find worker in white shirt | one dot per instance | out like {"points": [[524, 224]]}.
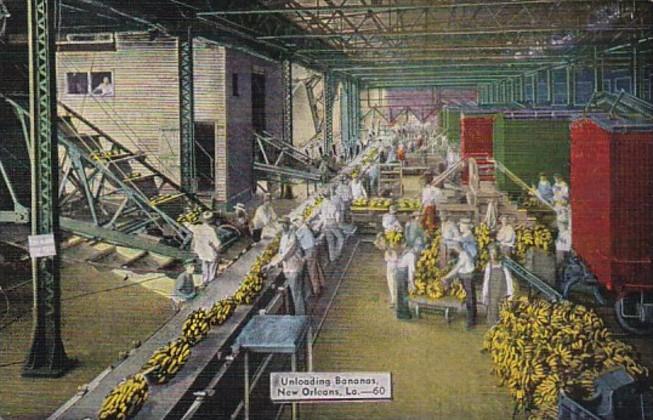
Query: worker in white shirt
{"points": [[560, 189], [414, 233], [310, 249], [450, 237], [563, 241], [390, 221], [291, 259], [264, 217], [506, 236], [329, 225], [467, 240], [373, 174], [497, 286], [206, 245], [343, 190], [464, 270], [358, 189]]}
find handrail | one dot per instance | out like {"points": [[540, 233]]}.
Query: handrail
{"points": [[517, 180], [543, 287]]}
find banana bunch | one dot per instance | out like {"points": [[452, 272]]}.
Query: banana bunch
{"points": [[196, 326], [379, 203], [132, 176], [160, 199], [526, 238], [393, 237], [191, 216], [359, 202], [483, 239], [167, 360], [538, 348], [409, 204], [370, 156], [310, 208], [104, 155], [253, 282], [125, 399], [221, 311]]}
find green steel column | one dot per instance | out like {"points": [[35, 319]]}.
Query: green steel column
{"points": [[356, 105], [286, 69], [598, 72], [47, 356], [186, 112], [329, 97], [635, 71], [549, 86], [522, 87], [344, 116], [534, 87], [571, 85]]}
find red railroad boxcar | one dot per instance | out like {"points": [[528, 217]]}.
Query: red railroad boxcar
{"points": [[476, 141], [611, 201]]}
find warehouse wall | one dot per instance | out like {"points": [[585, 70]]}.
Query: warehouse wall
{"points": [[238, 144], [143, 114]]}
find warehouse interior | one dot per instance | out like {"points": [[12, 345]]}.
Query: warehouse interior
{"points": [[436, 153]]}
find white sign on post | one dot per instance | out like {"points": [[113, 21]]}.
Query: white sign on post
{"points": [[42, 245], [307, 387]]}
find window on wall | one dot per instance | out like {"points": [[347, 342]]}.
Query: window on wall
{"points": [[607, 86], [97, 83], [542, 94], [234, 85], [622, 83], [584, 85], [559, 86], [528, 90]]}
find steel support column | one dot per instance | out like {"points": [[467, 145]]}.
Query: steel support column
{"points": [[635, 71], [598, 72], [522, 88], [329, 98], [571, 85], [186, 112], [47, 356], [286, 69], [549, 86], [356, 111]]}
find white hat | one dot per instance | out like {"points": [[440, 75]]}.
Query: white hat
{"points": [[240, 206], [392, 209], [465, 221], [207, 216]]}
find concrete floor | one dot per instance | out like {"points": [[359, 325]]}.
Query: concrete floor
{"points": [[438, 370]]}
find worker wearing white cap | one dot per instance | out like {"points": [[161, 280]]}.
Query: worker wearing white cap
{"points": [[390, 222], [467, 240], [506, 236], [264, 217], [358, 189], [310, 248], [206, 245], [329, 224], [240, 218], [560, 189], [291, 258], [343, 190], [464, 270]]}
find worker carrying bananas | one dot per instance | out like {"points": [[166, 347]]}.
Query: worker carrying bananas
{"points": [[563, 241], [464, 270], [206, 245], [373, 173], [560, 188], [291, 259], [310, 249], [506, 236], [329, 225], [497, 285], [264, 218], [390, 221]]}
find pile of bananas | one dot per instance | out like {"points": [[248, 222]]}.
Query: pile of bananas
{"points": [[132, 176], [221, 311], [482, 236], [125, 399], [393, 238], [379, 203], [539, 348], [191, 216], [167, 360], [196, 326], [526, 238], [370, 156], [253, 282], [428, 277], [409, 204], [359, 202]]}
